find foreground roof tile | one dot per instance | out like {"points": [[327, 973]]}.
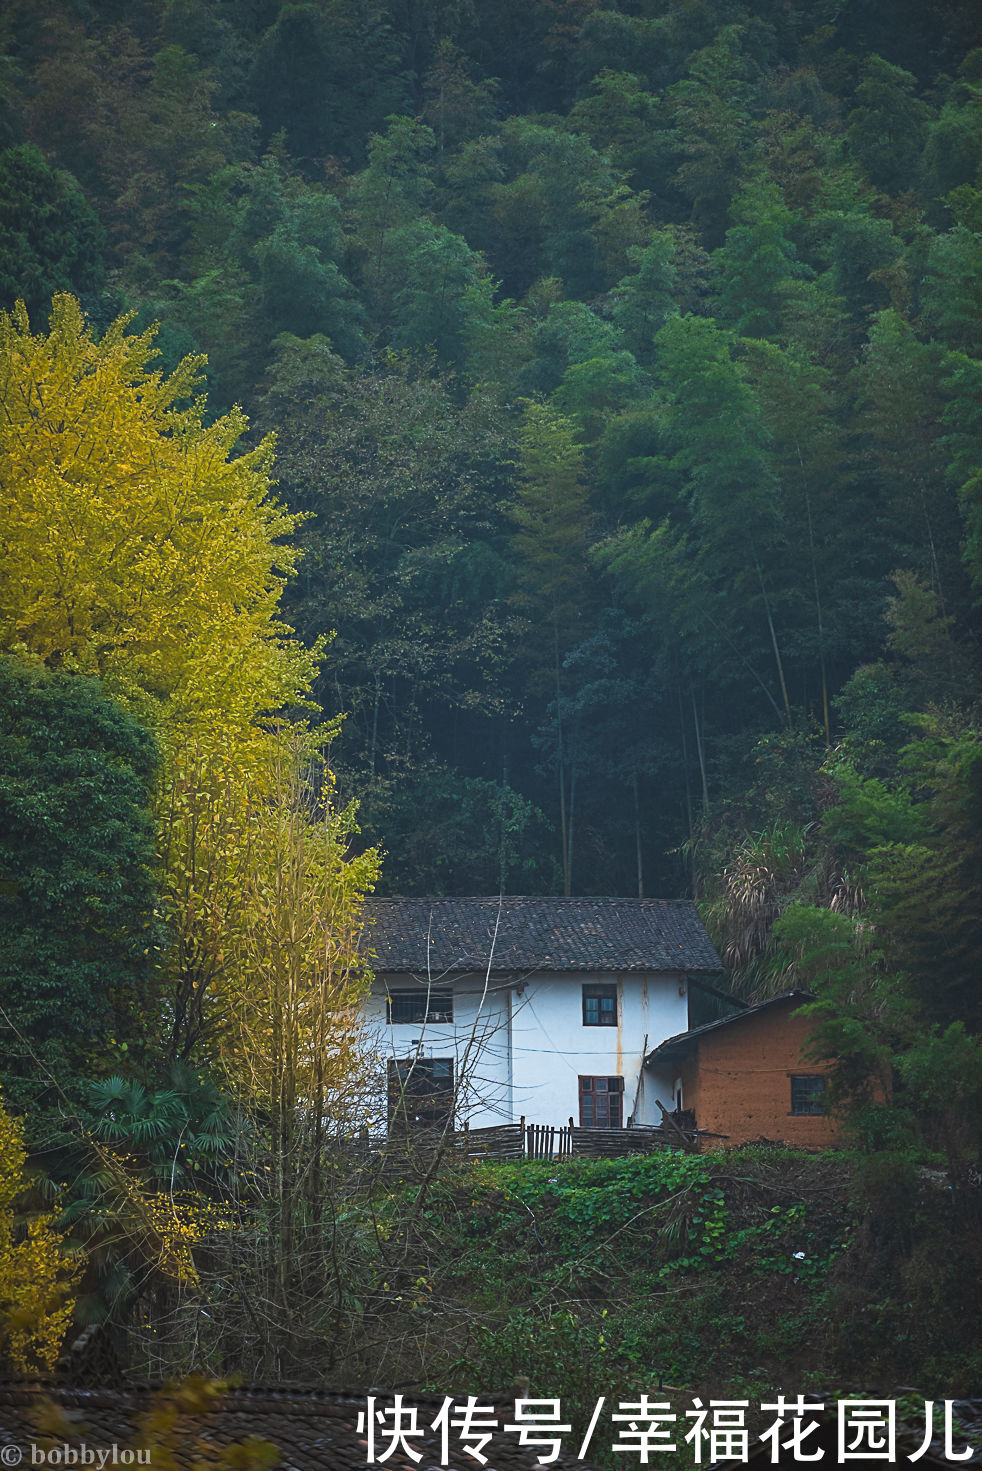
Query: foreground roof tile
{"points": [[314, 1429]]}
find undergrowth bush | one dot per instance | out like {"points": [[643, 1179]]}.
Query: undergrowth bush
{"points": [[744, 1274], [620, 1277]]}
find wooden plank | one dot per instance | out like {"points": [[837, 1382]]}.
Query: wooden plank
{"points": [[517, 1141], [667, 1118]]}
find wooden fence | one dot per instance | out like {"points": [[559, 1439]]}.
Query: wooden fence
{"points": [[546, 1141], [412, 1153]]}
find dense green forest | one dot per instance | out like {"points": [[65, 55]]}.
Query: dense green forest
{"points": [[623, 362], [619, 357]]}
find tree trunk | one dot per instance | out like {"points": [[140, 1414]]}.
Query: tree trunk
{"points": [[572, 807], [688, 788], [560, 764], [700, 752], [774, 644], [826, 724], [637, 833]]}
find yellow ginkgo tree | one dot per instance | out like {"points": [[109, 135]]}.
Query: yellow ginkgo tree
{"points": [[137, 546], [294, 1034]]}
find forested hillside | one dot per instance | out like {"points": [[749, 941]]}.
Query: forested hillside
{"points": [[565, 418], [620, 356]]}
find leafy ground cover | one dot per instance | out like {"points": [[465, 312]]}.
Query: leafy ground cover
{"points": [[741, 1274]]}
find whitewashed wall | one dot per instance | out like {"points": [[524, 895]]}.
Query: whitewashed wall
{"points": [[552, 1047], [520, 1048]]}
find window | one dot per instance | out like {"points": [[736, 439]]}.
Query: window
{"points": [[600, 1006], [601, 1103], [407, 1008], [420, 1092], [806, 1093]]}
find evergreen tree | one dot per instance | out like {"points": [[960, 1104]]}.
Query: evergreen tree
{"points": [[51, 238], [404, 557], [758, 261], [714, 425], [432, 275], [326, 75], [77, 927], [710, 121], [886, 132], [389, 194], [900, 412], [456, 107], [643, 299]]}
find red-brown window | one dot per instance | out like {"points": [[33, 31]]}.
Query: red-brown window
{"points": [[601, 1103]]}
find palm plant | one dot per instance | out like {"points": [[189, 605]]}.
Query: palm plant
{"points": [[178, 1136], [764, 870], [145, 1160]]}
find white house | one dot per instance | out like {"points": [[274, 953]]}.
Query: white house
{"points": [[540, 1008]]}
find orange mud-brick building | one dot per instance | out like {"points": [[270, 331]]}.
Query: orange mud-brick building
{"points": [[748, 1077]]}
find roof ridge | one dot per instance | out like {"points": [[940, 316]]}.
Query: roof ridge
{"points": [[520, 899]]}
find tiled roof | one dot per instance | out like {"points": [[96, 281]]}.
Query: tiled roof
{"points": [[536, 934], [314, 1429], [683, 1040]]}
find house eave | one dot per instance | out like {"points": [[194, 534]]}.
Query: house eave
{"points": [[683, 1043]]}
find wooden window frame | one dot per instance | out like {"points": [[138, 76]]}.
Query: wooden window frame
{"points": [[421, 1092], [589, 1093], [595, 991]]}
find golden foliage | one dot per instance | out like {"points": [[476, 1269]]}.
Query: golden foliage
{"points": [[136, 548], [36, 1280], [165, 1226], [133, 545], [293, 1029]]}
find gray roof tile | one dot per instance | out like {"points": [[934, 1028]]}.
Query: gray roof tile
{"points": [[537, 934]]}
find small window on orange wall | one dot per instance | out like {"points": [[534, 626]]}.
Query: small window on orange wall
{"points": [[806, 1093], [601, 1103]]}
